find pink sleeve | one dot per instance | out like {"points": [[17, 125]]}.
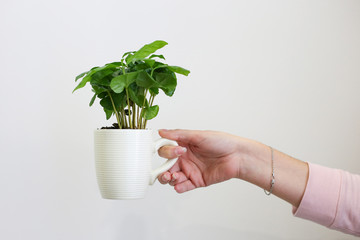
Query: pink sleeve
{"points": [[332, 199]]}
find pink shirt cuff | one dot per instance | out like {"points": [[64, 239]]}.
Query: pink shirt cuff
{"points": [[319, 203], [332, 199]]}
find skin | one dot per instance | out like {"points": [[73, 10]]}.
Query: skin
{"points": [[209, 157]]}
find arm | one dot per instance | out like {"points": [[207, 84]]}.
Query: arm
{"points": [[330, 197], [214, 157]]}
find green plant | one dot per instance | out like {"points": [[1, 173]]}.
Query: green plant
{"points": [[127, 88]]}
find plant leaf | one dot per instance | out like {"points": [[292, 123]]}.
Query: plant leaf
{"points": [[108, 113], [151, 112], [159, 65], [100, 77], [114, 64], [127, 53], [167, 82], [154, 91], [150, 62], [88, 76], [80, 75], [157, 56], [122, 81], [119, 100], [128, 57], [106, 103], [179, 70], [102, 95], [145, 80], [146, 51], [142, 66], [92, 100], [83, 82], [98, 89], [137, 98], [118, 83]]}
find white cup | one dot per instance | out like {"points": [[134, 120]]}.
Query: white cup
{"points": [[123, 160]]}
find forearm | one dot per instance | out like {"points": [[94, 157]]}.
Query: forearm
{"points": [[290, 174]]}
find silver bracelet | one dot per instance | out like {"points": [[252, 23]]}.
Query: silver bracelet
{"points": [[272, 183]]}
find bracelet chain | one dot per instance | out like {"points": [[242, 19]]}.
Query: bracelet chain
{"points": [[272, 182]]}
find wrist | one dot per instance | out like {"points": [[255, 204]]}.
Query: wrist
{"points": [[253, 161]]}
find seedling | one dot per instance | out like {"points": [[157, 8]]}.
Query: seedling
{"points": [[127, 89]]}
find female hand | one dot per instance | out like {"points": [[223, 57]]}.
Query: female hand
{"points": [[205, 158]]}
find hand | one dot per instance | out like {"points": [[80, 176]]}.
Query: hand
{"points": [[205, 158]]}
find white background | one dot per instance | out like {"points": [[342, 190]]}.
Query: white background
{"points": [[286, 73]]}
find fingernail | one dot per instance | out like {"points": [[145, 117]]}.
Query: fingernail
{"points": [[174, 176], [180, 151], [165, 178]]}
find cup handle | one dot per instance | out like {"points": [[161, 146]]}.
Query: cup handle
{"points": [[166, 165]]}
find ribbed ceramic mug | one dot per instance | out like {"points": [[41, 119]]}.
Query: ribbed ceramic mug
{"points": [[123, 161]]}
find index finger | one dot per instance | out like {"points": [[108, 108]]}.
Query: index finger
{"points": [[180, 135]]}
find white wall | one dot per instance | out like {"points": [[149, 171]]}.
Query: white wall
{"points": [[286, 73]]}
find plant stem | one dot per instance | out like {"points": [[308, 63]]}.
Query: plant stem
{"points": [[124, 118], [129, 109], [151, 103], [116, 112], [138, 116], [152, 100], [134, 115], [121, 119], [142, 109]]}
